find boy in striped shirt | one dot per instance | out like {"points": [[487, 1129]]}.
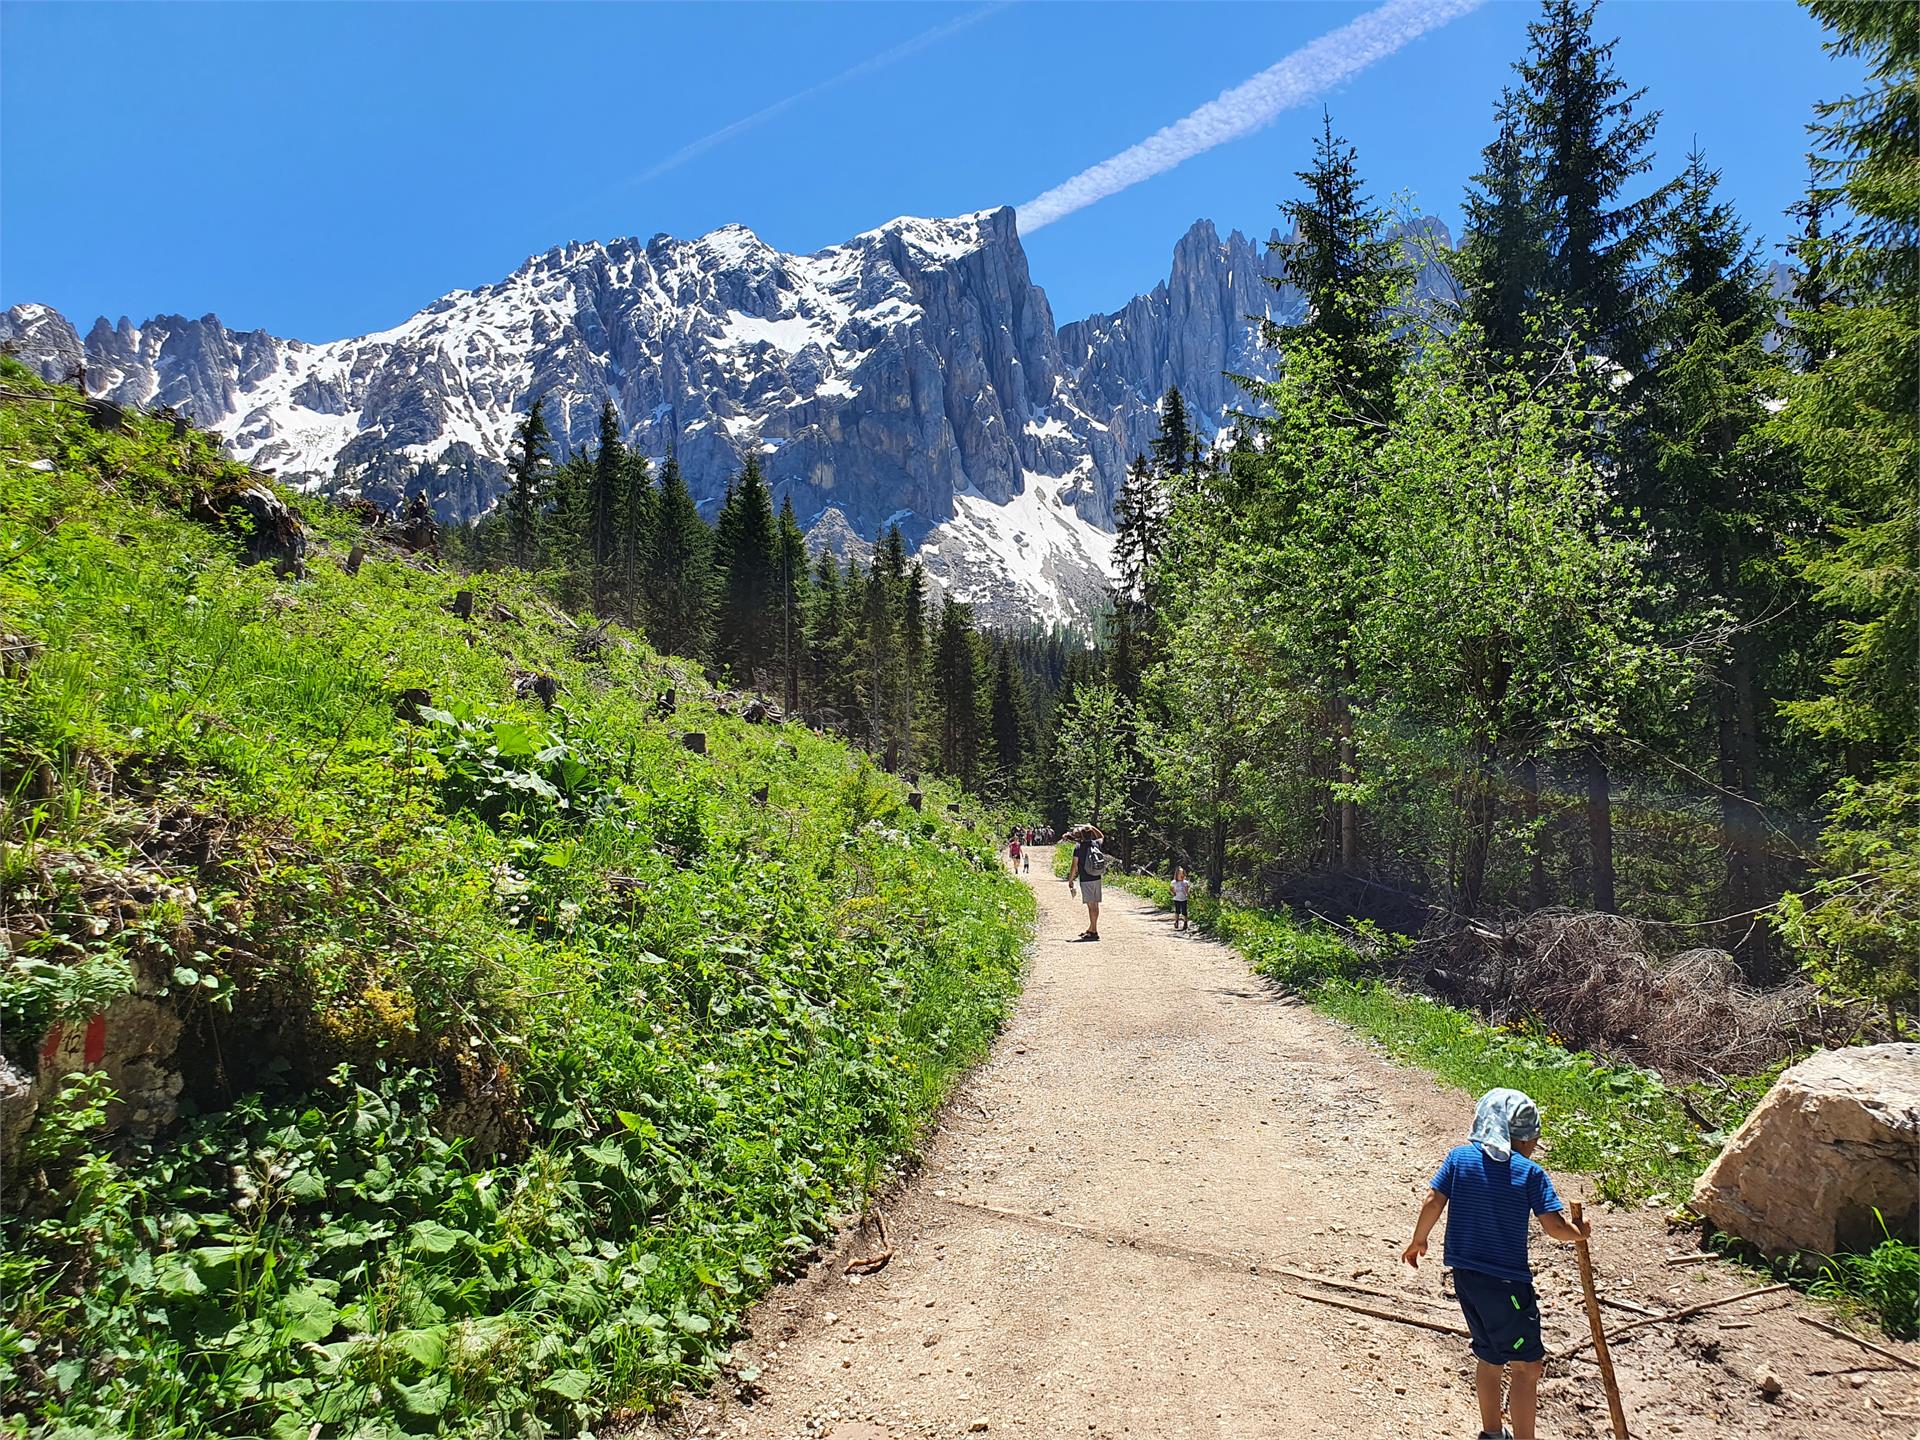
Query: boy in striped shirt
{"points": [[1493, 1186]]}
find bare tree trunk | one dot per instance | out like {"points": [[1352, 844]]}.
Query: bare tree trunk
{"points": [[1530, 789], [1217, 852], [1600, 828], [1349, 811], [1740, 815], [1479, 808]]}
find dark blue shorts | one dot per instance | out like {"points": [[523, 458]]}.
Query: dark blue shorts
{"points": [[1503, 1316]]}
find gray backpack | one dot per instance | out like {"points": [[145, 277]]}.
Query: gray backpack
{"points": [[1095, 863]]}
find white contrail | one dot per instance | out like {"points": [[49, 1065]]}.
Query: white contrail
{"points": [[1309, 71], [865, 67]]}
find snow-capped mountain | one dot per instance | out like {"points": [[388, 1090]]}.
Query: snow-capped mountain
{"points": [[912, 375]]}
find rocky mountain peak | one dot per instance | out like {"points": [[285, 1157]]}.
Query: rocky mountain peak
{"points": [[912, 375]]}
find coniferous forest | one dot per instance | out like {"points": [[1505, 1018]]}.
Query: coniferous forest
{"points": [[1588, 584]]}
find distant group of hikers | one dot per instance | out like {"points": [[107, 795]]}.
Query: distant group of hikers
{"points": [[1020, 842]]}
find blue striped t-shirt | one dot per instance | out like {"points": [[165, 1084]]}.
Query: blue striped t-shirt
{"points": [[1489, 1206]]}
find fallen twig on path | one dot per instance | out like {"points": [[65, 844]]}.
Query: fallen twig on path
{"points": [[1381, 1314], [1685, 1314], [1881, 1351], [867, 1264], [1631, 1308], [1694, 1259], [1333, 1284]]}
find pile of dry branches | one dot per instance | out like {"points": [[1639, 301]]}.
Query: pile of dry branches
{"points": [[1598, 983]]}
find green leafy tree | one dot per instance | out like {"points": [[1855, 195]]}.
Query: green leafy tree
{"points": [[1510, 604], [1089, 749]]}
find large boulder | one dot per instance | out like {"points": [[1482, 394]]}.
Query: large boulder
{"points": [[1837, 1138]]}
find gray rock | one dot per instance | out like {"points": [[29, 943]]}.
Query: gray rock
{"points": [[1836, 1139]]}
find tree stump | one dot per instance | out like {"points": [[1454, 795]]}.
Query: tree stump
{"points": [[355, 558], [696, 741], [462, 606], [915, 799]]}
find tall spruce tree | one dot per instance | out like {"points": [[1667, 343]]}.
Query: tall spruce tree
{"points": [[1352, 273], [1723, 490], [604, 495], [746, 561], [527, 483], [637, 510], [957, 688], [1173, 444], [1586, 145], [1850, 418], [880, 656], [1503, 254], [913, 656], [829, 643], [679, 552], [791, 549]]}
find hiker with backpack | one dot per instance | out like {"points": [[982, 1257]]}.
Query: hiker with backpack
{"points": [[1089, 865]]}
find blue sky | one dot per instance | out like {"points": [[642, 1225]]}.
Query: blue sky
{"points": [[322, 170]]}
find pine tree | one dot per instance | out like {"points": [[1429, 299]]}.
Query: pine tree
{"points": [[1721, 485], [791, 548], [604, 494], [1851, 421], [957, 688], [1503, 255], [828, 643], [526, 484], [1585, 145], [746, 562], [1352, 274], [679, 551], [1341, 364], [637, 510], [913, 655], [1139, 515], [880, 656], [1174, 445], [1010, 727], [562, 527]]}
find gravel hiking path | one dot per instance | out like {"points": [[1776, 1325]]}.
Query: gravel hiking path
{"points": [[1098, 1241]]}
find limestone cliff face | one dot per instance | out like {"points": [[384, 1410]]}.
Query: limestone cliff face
{"points": [[912, 375]]}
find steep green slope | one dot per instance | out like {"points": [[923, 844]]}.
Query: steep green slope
{"points": [[516, 1048]]}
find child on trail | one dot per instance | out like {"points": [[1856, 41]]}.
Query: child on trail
{"points": [[1182, 888], [1493, 1185]]}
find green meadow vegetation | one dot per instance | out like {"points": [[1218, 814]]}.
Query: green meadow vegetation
{"points": [[522, 1047]]}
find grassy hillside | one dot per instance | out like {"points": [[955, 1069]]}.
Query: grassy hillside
{"points": [[516, 1048]]}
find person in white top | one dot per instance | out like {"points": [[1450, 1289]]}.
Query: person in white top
{"points": [[1182, 888]]}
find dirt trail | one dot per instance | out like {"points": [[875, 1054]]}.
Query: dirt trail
{"points": [[1092, 1247]]}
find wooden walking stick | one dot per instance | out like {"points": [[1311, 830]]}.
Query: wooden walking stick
{"points": [[1614, 1407]]}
